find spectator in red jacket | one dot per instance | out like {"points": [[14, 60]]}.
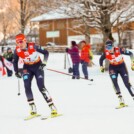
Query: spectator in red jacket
{"points": [[85, 57]]}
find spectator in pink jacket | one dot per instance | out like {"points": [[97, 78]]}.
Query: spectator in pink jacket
{"points": [[74, 53]]}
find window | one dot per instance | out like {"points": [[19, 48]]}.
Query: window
{"points": [[99, 1]]}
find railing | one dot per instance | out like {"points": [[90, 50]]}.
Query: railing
{"points": [[58, 49]]}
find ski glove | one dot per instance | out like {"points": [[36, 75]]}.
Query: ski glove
{"points": [[102, 69], [18, 75], [132, 63], [43, 64], [66, 49], [132, 66]]}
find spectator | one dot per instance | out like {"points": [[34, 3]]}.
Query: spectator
{"points": [[8, 55], [85, 57], [74, 52]]}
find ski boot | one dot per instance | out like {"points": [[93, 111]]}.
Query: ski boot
{"points": [[77, 77], [122, 103], [54, 113], [86, 77], [33, 112], [73, 77], [32, 109]]}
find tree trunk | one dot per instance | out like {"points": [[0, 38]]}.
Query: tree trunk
{"points": [[22, 15], [106, 31]]}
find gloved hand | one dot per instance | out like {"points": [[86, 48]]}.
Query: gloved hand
{"points": [[90, 57], [43, 64], [66, 49], [18, 74], [102, 69], [132, 65]]}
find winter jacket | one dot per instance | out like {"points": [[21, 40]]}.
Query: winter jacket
{"points": [[8, 56], [85, 53], [74, 52]]}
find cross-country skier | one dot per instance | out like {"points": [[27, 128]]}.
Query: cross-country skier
{"points": [[33, 66], [117, 66]]}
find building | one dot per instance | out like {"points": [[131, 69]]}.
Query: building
{"points": [[57, 28]]}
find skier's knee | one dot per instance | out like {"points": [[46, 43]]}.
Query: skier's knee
{"points": [[46, 95]]}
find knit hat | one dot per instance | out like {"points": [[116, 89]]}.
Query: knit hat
{"points": [[8, 48], [109, 44], [20, 38]]}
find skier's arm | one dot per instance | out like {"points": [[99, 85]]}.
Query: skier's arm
{"points": [[127, 52], [102, 58], [43, 51], [15, 61]]}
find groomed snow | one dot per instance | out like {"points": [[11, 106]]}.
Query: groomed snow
{"points": [[87, 107]]}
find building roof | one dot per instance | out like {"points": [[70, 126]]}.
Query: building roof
{"points": [[52, 15], [60, 14]]}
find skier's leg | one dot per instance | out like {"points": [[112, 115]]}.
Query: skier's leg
{"points": [[9, 72], [114, 77], [39, 75], [27, 78], [125, 77]]}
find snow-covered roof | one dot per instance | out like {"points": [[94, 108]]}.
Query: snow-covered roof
{"points": [[52, 15]]}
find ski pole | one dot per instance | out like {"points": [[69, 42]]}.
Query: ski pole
{"points": [[70, 70], [66, 74], [65, 61], [68, 61], [18, 86]]}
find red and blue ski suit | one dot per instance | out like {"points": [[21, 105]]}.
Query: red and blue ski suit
{"points": [[117, 66], [31, 68]]}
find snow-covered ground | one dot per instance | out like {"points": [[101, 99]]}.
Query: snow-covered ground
{"points": [[87, 107]]}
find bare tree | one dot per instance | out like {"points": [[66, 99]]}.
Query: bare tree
{"points": [[27, 10], [4, 27], [15, 15], [6, 20], [102, 15], [23, 11]]}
